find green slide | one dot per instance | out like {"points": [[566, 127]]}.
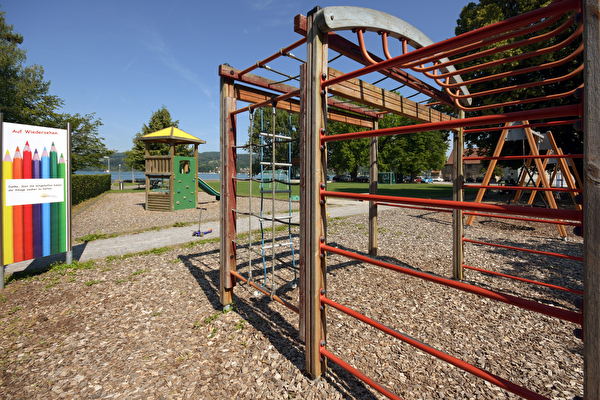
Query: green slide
{"points": [[206, 187]]}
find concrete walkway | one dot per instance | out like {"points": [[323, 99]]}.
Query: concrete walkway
{"points": [[134, 243]]}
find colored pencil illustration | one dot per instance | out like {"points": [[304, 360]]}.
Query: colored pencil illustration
{"points": [[7, 213], [45, 163], [62, 209], [27, 208], [54, 236], [36, 173], [19, 253]]}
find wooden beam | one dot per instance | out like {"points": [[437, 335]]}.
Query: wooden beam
{"points": [[228, 193], [374, 96], [591, 199], [254, 95]]}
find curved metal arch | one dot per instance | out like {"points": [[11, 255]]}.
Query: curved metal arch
{"points": [[339, 18]]}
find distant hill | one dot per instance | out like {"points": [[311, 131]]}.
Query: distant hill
{"points": [[207, 161]]}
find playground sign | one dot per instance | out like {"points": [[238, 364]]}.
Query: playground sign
{"points": [[35, 196]]}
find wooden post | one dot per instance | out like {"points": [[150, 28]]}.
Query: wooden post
{"points": [[591, 199], [228, 192], [314, 218], [172, 174], [146, 155], [458, 177], [373, 175]]}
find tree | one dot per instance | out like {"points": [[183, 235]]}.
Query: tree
{"points": [[159, 119], [347, 155], [413, 153], [286, 124], [474, 16], [25, 99], [87, 148]]}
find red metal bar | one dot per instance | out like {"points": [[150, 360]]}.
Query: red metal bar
{"points": [[275, 297], [501, 128], [485, 271], [505, 298], [496, 380], [517, 102], [523, 188], [545, 253], [501, 38], [543, 221], [530, 156], [542, 113], [571, 215], [350, 369], [508, 60], [274, 56], [464, 39]]}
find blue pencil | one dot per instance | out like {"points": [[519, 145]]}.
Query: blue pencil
{"points": [[45, 207], [36, 173]]}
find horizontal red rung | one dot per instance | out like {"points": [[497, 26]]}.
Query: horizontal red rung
{"points": [[522, 188], [571, 215], [543, 221], [505, 298], [275, 297], [496, 380], [545, 253], [501, 128], [540, 113], [353, 371], [485, 271], [530, 156]]}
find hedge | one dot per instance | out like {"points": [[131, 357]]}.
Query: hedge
{"points": [[88, 186]]}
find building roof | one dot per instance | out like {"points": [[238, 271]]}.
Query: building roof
{"points": [[476, 152], [172, 134]]}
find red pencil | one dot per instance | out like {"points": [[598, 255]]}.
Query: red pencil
{"points": [[19, 254], [27, 208]]}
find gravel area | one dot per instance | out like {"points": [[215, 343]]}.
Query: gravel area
{"points": [[150, 326]]}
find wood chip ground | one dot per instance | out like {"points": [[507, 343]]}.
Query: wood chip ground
{"points": [[150, 326]]}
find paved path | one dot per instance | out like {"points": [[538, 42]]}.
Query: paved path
{"points": [[99, 249]]}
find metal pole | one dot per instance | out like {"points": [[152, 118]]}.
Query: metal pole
{"points": [[69, 255]]}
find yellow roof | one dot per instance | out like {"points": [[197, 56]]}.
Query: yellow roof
{"points": [[172, 134]]}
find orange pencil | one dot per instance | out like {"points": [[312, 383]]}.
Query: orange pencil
{"points": [[7, 213], [19, 254], [27, 208]]}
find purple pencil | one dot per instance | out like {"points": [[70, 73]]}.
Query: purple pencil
{"points": [[36, 173]]}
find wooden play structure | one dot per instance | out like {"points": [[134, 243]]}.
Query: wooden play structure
{"points": [[326, 94], [171, 181]]}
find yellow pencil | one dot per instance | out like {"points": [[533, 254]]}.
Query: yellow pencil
{"points": [[7, 212]]}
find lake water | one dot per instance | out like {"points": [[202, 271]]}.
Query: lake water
{"points": [[137, 175]]}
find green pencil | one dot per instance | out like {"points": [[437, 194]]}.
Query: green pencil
{"points": [[62, 209], [54, 233]]}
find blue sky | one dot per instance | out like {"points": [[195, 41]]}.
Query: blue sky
{"points": [[125, 59]]}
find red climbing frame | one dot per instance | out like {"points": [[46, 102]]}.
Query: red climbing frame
{"points": [[318, 81]]}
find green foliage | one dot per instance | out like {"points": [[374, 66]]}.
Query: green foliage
{"points": [[25, 99], [159, 119], [486, 12], [88, 186], [286, 124], [347, 155]]}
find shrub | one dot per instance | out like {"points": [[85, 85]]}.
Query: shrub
{"points": [[88, 186]]}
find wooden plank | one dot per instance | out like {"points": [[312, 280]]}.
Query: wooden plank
{"points": [[374, 96], [313, 222], [228, 193], [591, 199]]}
